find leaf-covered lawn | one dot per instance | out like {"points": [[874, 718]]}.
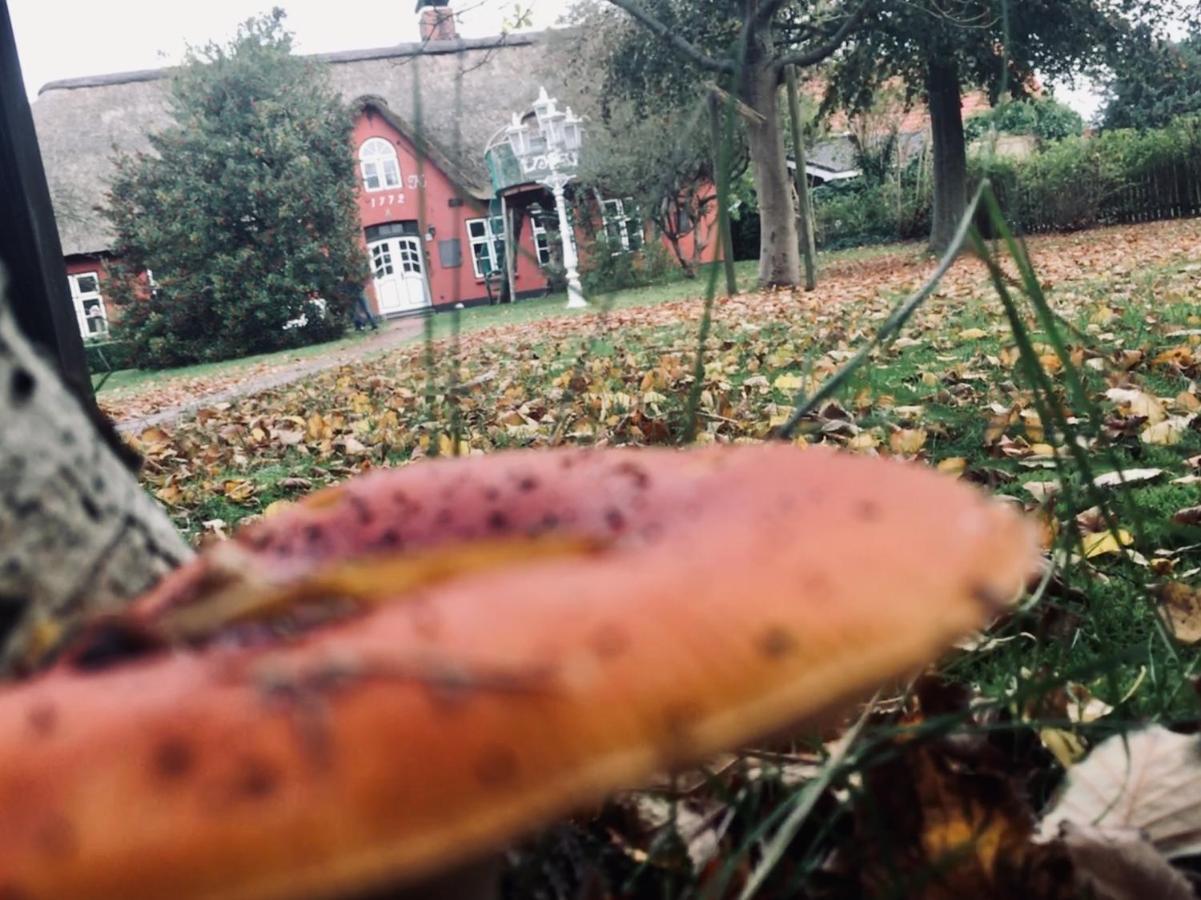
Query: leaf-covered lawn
{"points": [[1111, 628]]}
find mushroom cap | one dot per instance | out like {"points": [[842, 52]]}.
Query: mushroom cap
{"points": [[738, 591]]}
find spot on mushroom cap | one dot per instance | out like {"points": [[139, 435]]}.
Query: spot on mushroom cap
{"points": [[749, 588]]}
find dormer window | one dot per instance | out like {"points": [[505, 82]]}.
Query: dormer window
{"points": [[381, 169]]}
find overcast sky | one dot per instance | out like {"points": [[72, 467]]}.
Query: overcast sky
{"points": [[69, 38]]}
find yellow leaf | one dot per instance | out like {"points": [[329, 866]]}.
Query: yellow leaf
{"points": [[972, 334], [1167, 433], [239, 491], [787, 383], [1033, 426], [863, 442], [1106, 542], [1067, 747], [953, 465], [907, 440], [1050, 363], [995, 429], [276, 506]]}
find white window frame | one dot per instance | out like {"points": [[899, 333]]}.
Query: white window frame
{"points": [[541, 242], [621, 214], [491, 240], [79, 299], [378, 162]]}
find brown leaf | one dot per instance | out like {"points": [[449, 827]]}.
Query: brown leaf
{"points": [[1180, 608], [1190, 515]]}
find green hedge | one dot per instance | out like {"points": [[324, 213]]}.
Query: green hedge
{"points": [[108, 355], [1116, 177], [1078, 182], [853, 213]]}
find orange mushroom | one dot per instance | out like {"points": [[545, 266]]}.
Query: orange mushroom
{"points": [[378, 718]]}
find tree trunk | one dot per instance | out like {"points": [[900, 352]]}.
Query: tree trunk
{"points": [[779, 251], [77, 533], [950, 151]]}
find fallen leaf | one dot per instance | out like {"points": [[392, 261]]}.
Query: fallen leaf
{"points": [[1042, 491], [953, 465], [1120, 864], [1190, 515], [1104, 543], [1067, 747], [1180, 608], [787, 383], [1143, 780], [1126, 476], [1138, 403], [907, 441], [1167, 433]]}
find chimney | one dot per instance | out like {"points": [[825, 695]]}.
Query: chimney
{"points": [[437, 21]]}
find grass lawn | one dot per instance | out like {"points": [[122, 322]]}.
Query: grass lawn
{"points": [[126, 382], [951, 393]]}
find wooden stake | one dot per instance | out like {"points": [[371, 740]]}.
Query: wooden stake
{"points": [[723, 193], [805, 209]]}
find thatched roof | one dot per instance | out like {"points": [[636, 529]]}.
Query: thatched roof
{"points": [[467, 90]]}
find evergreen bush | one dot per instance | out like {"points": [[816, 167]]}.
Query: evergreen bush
{"points": [[244, 212]]}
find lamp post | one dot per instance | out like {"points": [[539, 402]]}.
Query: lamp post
{"points": [[548, 151]]}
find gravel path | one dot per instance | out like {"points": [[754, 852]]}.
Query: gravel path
{"points": [[393, 334]]}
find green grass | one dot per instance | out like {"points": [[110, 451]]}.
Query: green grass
{"points": [[128, 380], [477, 318]]}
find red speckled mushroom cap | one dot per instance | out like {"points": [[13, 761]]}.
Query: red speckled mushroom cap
{"points": [[714, 596]]}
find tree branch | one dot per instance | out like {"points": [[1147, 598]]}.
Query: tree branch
{"points": [[817, 54], [693, 53]]}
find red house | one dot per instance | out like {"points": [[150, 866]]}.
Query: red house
{"points": [[433, 225]]}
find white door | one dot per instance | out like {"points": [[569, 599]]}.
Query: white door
{"points": [[399, 278]]}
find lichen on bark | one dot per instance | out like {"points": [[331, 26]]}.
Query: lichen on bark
{"points": [[78, 535]]}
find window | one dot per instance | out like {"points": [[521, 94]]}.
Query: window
{"points": [[89, 305], [487, 238], [623, 227], [544, 224], [541, 242], [381, 170]]}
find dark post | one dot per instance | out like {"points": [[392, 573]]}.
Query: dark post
{"points": [[805, 209], [29, 246], [721, 156]]}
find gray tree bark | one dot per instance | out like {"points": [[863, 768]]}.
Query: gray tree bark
{"points": [[779, 250], [950, 152], [78, 535]]}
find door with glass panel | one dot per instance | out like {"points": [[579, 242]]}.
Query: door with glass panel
{"points": [[399, 274]]}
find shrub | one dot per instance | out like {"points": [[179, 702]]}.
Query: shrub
{"points": [[852, 213], [1044, 117], [1077, 182], [245, 211], [104, 356], [603, 270], [1120, 176]]}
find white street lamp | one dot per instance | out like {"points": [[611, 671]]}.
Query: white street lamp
{"points": [[548, 150]]}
